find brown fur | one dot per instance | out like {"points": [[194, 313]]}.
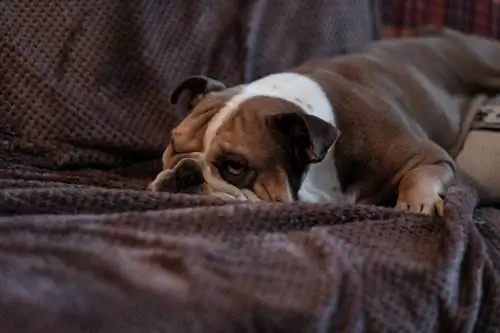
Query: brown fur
{"points": [[246, 134], [402, 106]]}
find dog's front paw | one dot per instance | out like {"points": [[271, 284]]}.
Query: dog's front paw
{"points": [[419, 190], [428, 205]]}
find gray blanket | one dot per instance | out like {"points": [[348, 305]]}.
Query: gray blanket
{"points": [[84, 117]]}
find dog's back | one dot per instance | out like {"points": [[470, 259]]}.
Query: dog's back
{"points": [[405, 102]]}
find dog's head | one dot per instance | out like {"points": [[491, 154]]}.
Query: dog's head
{"points": [[237, 143]]}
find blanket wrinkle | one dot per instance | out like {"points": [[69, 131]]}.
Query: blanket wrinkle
{"points": [[84, 118]]}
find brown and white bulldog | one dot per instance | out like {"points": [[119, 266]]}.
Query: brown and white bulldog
{"points": [[378, 127]]}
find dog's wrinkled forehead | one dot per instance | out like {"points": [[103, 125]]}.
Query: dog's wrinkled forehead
{"points": [[279, 103], [227, 121], [189, 135]]}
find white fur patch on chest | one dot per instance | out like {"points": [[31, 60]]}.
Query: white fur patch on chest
{"points": [[320, 182]]}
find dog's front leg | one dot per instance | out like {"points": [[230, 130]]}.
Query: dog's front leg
{"points": [[420, 189]]}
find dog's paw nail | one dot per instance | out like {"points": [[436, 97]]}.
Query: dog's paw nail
{"points": [[402, 206], [440, 206], [429, 206]]}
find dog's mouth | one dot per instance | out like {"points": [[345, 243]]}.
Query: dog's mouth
{"points": [[192, 176]]}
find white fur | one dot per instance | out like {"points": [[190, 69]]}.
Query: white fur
{"points": [[320, 182], [294, 88]]}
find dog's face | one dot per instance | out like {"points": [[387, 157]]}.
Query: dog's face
{"points": [[255, 148]]}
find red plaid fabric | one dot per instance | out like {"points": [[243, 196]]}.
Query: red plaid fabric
{"points": [[401, 17]]}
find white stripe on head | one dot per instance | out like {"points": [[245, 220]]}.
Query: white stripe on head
{"points": [[291, 87]]}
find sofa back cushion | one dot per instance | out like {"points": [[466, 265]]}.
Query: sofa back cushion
{"points": [[87, 83]]}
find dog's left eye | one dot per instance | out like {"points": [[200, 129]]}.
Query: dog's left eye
{"points": [[234, 168]]}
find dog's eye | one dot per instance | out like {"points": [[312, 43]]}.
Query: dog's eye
{"points": [[234, 168]]}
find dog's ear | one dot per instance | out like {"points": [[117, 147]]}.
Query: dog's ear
{"points": [[190, 91], [306, 137]]}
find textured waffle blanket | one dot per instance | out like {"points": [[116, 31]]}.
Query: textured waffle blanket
{"points": [[84, 117]]}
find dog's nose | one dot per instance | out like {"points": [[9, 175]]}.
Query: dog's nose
{"points": [[186, 175]]}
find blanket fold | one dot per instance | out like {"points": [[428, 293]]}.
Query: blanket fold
{"points": [[298, 268]]}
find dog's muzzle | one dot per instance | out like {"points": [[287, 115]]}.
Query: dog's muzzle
{"points": [[185, 177], [191, 175]]}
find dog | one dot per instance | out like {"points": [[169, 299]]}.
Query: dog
{"points": [[382, 126]]}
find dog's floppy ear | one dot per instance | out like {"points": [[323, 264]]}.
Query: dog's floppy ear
{"points": [[191, 89], [306, 137]]}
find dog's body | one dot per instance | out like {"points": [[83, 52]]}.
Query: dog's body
{"points": [[403, 108]]}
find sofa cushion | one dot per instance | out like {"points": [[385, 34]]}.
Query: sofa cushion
{"points": [[85, 84]]}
